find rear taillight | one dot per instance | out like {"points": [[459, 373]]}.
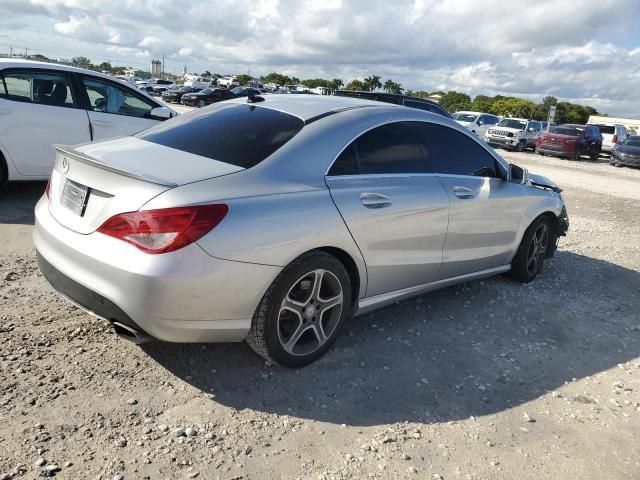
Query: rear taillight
{"points": [[47, 189], [615, 139], [164, 230]]}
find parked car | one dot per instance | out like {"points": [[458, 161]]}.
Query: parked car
{"points": [[159, 89], [228, 82], [571, 141], [626, 152], [612, 134], [546, 125], [43, 104], [477, 122], [150, 85], [407, 101], [514, 134], [214, 95], [175, 95], [249, 239]]}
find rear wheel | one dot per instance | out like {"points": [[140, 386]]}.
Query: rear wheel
{"points": [[576, 154], [532, 251], [303, 311]]}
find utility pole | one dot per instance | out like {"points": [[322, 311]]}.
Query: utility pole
{"points": [[162, 74], [26, 51]]}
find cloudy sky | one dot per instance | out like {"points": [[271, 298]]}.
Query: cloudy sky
{"points": [[584, 51]]}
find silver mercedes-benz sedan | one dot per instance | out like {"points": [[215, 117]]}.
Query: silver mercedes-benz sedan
{"points": [[276, 220]]}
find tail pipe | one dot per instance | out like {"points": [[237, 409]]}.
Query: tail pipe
{"points": [[131, 334]]}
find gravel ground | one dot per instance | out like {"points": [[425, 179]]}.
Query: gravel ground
{"points": [[487, 380]]}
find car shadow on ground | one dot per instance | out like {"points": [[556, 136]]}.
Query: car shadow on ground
{"points": [[18, 200], [474, 349]]}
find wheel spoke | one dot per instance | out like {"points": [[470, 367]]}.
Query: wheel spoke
{"points": [[328, 304], [292, 306], [319, 331], [317, 284], [295, 337]]}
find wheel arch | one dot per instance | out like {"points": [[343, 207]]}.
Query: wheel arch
{"points": [[355, 276]]}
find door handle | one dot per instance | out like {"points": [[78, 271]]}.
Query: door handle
{"points": [[5, 111], [463, 192], [374, 200], [103, 123]]}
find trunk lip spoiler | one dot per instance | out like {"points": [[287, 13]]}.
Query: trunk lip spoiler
{"points": [[88, 160]]}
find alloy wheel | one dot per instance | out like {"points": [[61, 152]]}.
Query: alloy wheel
{"points": [[310, 312], [537, 249]]}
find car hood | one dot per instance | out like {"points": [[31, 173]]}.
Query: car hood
{"points": [[506, 129], [465, 124]]}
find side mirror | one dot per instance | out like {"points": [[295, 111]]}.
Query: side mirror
{"points": [[531, 129], [160, 113], [518, 174], [479, 122]]}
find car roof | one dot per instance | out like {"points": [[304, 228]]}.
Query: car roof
{"points": [[308, 107], [20, 63], [472, 112]]}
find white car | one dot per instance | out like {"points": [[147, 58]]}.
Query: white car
{"points": [[228, 82], [477, 122], [514, 134], [43, 104], [612, 134]]}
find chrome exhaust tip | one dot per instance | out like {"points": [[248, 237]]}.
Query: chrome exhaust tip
{"points": [[131, 334]]}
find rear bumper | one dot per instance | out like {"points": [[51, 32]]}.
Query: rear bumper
{"points": [[182, 296], [625, 160], [552, 151]]}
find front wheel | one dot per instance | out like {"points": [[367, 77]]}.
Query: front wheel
{"points": [[201, 103], [532, 251], [520, 146], [302, 312]]}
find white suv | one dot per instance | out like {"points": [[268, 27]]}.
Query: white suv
{"points": [[228, 82], [612, 134], [43, 104], [514, 133], [477, 122]]}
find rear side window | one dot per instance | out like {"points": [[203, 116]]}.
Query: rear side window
{"points": [[389, 149], [606, 129], [455, 153], [238, 134], [40, 87]]}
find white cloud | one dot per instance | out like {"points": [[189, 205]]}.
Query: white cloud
{"points": [[577, 50]]}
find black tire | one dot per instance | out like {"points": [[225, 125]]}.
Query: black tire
{"points": [[539, 152], [4, 174], [576, 154], [272, 319], [201, 103], [520, 146], [522, 268]]}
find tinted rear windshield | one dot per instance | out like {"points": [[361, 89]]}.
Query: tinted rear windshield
{"points": [[610, 129], [239, 134], [572, 131]]}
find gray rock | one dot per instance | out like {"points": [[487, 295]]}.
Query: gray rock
{"points": [[178, 432], [190, 432], [40, 462], [132, 401], [118, 476]]}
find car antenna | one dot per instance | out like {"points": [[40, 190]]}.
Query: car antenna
{"points": [[253, 98]]}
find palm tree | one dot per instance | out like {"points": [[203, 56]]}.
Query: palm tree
{"points": [[337, 83], [388, 85], [372, 83]]}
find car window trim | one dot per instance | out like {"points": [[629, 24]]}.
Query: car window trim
{"points": [[89, 108], [77, 104]]}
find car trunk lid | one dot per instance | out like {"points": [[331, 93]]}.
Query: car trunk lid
{"points": [[91, 183]]}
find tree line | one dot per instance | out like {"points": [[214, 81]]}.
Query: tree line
{"points": [[453, 101]]}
